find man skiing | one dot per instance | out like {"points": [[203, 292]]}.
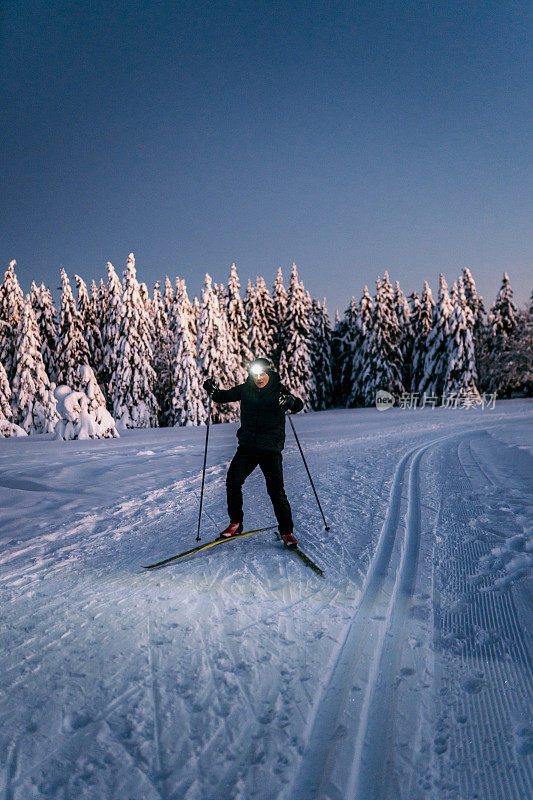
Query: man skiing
{"points": [[264, 401]]}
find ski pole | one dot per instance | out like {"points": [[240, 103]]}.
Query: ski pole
{"points": [[307, 468], [203, 471]]}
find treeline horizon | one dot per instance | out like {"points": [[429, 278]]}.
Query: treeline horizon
{"points": [[150, 351]]}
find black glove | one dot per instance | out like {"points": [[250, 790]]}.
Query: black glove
{"points": [[210, 385], [286, 401]]}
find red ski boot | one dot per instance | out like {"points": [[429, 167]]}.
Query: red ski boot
{"points": [[232, 530], [289, 539]]}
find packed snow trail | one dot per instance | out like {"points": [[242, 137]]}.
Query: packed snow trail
{"points": [[405, 674]]}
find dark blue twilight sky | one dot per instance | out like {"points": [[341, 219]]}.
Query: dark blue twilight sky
{"points": [[347, 137]]}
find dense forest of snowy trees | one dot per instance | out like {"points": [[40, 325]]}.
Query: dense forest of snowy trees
{"points": [[131, 359]]}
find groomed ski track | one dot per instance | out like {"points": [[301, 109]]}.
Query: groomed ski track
{"points": [[244, 675]]}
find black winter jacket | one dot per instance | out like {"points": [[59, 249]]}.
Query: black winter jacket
{"points": [[262, 418]]}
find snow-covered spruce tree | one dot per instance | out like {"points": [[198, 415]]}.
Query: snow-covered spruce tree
{"points": [[403, 315], [30, 398], [363, 327], [502, 317], [382, 357], [72, 349], [312, 387], [192, 310], [229, 358], [337, 350], [213, 345], [280, 305], [461, 375], [320, 347], [168, 299], [5, 395], [473, 300], [261, 319], [100, 304], [346, 352], [421, 322], [11, 305], [46, 317], [295, 358], [436, 359], [164, 347], [7, 426], [88, 311], [110, 330], [187, 405], [238, 327], [132, 383], [505, 351], [96, 406], [145, 297], [195, 319]]}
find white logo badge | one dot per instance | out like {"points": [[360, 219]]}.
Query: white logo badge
{"points": [[384, 400]]}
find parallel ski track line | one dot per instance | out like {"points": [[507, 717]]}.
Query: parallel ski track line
{"points": [[316, 762], [503, 664], [376, 724]]}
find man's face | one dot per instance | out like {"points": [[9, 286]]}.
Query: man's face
{"points": [[261, 380]]}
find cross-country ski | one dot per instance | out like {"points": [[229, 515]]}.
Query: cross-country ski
{"points": [[199, 548]]}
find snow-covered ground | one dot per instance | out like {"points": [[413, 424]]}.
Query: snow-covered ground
{"points": [[239, 673]]}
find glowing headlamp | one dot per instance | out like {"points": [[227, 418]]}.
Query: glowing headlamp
{"points": [[259, 366], [257, 369]]}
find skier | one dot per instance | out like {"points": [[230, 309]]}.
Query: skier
{"points": [[261, 436]]}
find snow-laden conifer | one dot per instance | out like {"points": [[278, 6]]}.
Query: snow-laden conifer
{"points": [[280, 299], [188, 401], [96, 405], [320, 346], [337, 354], [46, 318], [403, 315], [7, 426], [421, 322], [261, 319], [436, 359], [168, 299], [132, 383], [346, 352], [11, 306], [145, 297], [504, 352], [30, 398], [228, 359], [382, 358], [90, 322], [101, 305], [503, 314], [212, 346], [72, 349], [5, 395], [238, 327], [295, 358], [111, 328], [164, 359], [363, 324], [461, 374], [473, 300]]}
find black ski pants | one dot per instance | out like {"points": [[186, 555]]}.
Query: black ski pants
{"points": [[243, 464]]}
